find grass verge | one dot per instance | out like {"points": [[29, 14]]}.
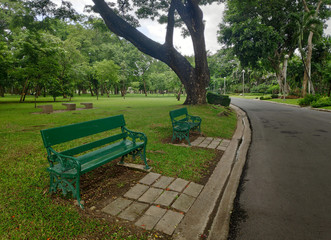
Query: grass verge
{"points": [[28, 212]]}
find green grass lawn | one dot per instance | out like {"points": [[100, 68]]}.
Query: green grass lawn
{"points": [[248, 95], [257, 96], [287, 101], [26, 212]]}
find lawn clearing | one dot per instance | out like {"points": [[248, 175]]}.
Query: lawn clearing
{"points": [[28, 212], [287, 101]]}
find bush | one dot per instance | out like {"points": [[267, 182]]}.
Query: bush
{"points": [[262, 88], [274, 95], [274, 89], [265, 98], [322, 102], [213, 98], [308, 99]]}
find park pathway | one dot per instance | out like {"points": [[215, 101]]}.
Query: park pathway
{"points": [[160, 202], [285, 192]]}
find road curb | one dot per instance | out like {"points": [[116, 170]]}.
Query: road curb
{"points": [[220, 227], [216, 199]]}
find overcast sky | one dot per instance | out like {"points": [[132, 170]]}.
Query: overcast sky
{"points": [[213, 15]]}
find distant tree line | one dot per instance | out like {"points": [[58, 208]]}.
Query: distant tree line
{"points": [[51, 50], [259, 35]]}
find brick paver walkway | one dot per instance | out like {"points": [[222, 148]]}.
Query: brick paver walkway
{"points": [[156, 202], [208, 142], [160, 202]]}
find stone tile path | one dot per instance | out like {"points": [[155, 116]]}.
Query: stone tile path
{"points": [[156, 202], [208, 142]]}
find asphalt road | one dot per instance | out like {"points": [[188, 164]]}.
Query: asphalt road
{"points": [[287, 187]]}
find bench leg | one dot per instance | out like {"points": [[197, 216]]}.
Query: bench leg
{"points": [[52, 184], [77, 192], [122, 160], [143, 157], [66, 185], [181, 135]]}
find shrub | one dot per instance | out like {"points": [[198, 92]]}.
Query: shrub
{"points": [[265, 98], [308, 99], [274, 95], [274, 89], [262, 88], [322, 102], [223, 100]]}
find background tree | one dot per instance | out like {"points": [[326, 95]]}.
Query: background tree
{"points": [[195, 79], [263, 33], [312, 10], [107, 74]]}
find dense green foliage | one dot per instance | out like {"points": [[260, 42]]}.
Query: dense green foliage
{"points": [[322, 102], [218, 99], [308, 99], [261, 35], [43, 53], [50, 50], [316, 101]]}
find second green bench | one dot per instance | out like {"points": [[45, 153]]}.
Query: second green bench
{"points": [[182, 123]]}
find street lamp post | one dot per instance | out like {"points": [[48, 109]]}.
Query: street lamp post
{"points": [[243, 81], [224, 86], [285, 70]]}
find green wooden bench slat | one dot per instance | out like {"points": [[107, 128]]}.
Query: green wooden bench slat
{"points": [[178, 112], [100, 157], [66, 168], [98, 143], [54, 136], [105, 151]]}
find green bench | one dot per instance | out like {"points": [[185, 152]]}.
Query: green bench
{"points": [[182, 123], [67, 166]]}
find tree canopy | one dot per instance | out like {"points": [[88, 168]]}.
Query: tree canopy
{"points": [[265, 33], [187, 13]]}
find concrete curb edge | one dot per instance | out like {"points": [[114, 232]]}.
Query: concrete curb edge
{"points": [[223, 182], [220, 227]]}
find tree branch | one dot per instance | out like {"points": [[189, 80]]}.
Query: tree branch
{"points": [[123, 29], [171, 24], [305, 6], [318, 7]]}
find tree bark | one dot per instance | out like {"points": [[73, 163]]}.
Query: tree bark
{"points": [[2, 91], [195, 80], [24, 91], [145, 87], [307, 70]]}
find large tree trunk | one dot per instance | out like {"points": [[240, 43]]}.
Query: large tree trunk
{"points": [[280, 70], [195, 80], [307, 68], [307, 72], [145, 91], [2, 91], [24, 91]]}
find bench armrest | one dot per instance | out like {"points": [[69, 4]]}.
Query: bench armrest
{"points": [[181, 124], [67, 162], [136, 135], [194, 118]]}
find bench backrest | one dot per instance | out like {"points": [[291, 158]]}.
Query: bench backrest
{"points": [[54, 136], [178, 113]]}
